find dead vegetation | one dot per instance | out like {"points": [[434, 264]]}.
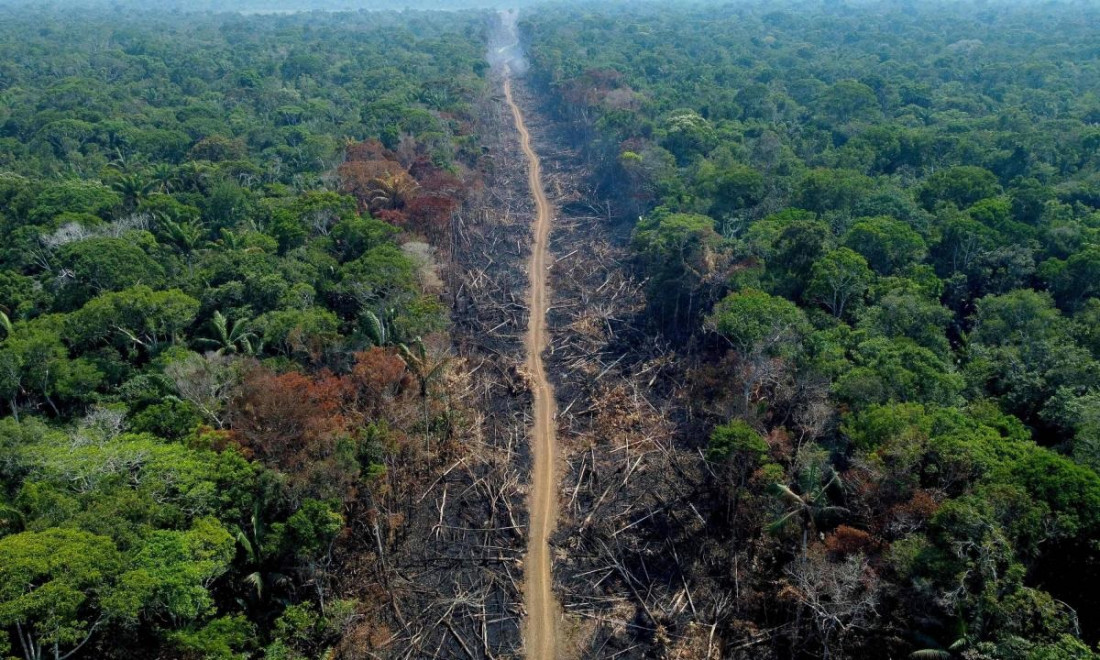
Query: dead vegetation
{"points": [[443, 563], [628, 551], [636, 567]]}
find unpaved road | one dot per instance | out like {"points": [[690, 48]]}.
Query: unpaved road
{"points": [[542, 608]]}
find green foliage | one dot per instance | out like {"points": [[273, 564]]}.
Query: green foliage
{"points": [[1079, 279], [181, 482], [910, 315], [889, 245], [889, 198], [135, 317], [21, 297], [680, 251], [178, 188], [297, 331], [225, 638], [839, 280], [1021, 351], [100, 265], [823, 190], [353, 237], [173, 419], [790, 243], [879, 424], [755, 322], [687, 134], [961, 185], [169, 574], [313, 527], [734, 188], [897, 370], [230, 336], [849, 100], [302, 632], [34, 362], [383, 274], [90, 197], [912, 250], [60, 585], [735, 438]]}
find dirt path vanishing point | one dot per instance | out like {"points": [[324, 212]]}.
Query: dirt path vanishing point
{"points": [[542, 608]]}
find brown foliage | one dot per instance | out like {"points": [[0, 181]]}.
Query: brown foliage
{"points": [[288, 421], [591, 87], [368, 150], [363, 179], [208, 437], [389, 216], [781, 446], [392, 191], [435, 181], [913, 514], [845, 540], [430, 215], [377, 379], [423, 198], [307, 426]]}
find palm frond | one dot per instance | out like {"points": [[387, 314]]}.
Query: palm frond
{"points": [[257, 582], [930, 654], [789, 494], [374, 328], [246, 543], [780, 523]]}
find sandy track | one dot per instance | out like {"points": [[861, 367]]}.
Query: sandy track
{"points": [[542, 607]]}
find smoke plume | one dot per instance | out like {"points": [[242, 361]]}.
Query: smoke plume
{"points": [[504, 47]]}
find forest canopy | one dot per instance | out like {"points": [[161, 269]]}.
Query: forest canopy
{"points": [[220, 233], [261, 294], [871, 232]]}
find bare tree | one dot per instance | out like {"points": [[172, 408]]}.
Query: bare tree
{"points": [[206, 381], [840, 595]]}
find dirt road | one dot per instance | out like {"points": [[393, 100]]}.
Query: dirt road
{"points": [[542, 608]]}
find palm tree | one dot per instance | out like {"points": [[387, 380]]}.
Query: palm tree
{"points": [[186, 235], [931, 654], [163, 176], [229, 240], [193, 174], [375, 328], [391, 191], [118, 162], [435, 96], [810, 505], [10, 517], [229, 336], [133, 188], [253, 543], [426, 368]]}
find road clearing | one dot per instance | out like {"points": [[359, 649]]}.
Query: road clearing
{"points": [[543, 611]]}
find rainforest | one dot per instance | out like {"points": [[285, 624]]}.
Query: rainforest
{"points": [[342, 329]]}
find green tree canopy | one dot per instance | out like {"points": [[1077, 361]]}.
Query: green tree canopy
{"points": [[753, 321]]}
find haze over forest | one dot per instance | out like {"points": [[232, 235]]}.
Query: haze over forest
{"points": [[679, 330]]}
